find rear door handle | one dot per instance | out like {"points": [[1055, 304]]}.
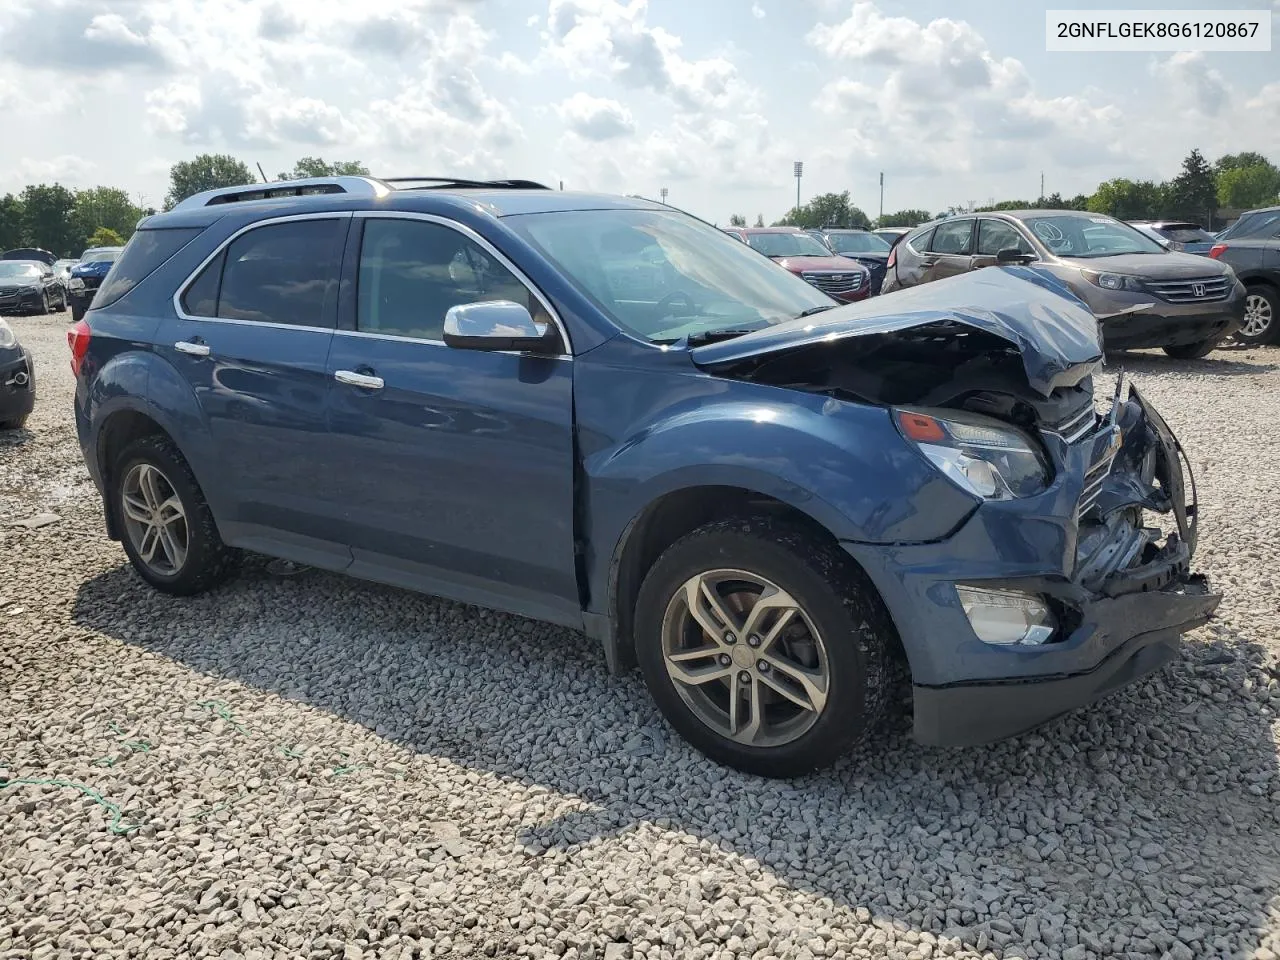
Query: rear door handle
{"points": [[351, 378], [194, 349]]}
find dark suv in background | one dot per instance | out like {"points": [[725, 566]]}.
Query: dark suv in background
{"points": [[1143, 294], [1251, 246]]}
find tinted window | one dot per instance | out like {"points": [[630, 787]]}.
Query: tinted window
{"points": [[1185, 233], [145, 251], [201, 297], [857, 243], [919, 242], [1263, 224], [954, 236], [283, 273], [412, 272], [996, 235]]}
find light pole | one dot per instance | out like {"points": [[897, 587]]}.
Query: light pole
{"points": [[881, 194], [663, 194], [799, 169]]}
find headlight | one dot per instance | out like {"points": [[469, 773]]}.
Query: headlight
{"points": [[29, 290], [7, 336], [1113, 281], [75, 283], [988, 458]]}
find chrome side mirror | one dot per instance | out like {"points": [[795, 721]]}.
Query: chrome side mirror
{"points": [[498, 325]]}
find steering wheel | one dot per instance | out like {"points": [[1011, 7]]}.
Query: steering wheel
{"points": [[664, 305]]}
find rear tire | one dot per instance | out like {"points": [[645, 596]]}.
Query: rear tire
{"points": [[1261, 316], [77, 311], [822, 634], [1194, 351], [62, 303], [166, 527]]}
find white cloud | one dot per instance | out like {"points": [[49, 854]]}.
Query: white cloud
{"points": [[1193, 82], [596, 118], [757, 11]]}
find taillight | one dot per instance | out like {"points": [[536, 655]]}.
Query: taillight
{"points": [[1217, 250], [78, 341], [893, 259]]}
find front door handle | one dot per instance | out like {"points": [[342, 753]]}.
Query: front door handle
{"points": [[351, 378], [194, 349]]}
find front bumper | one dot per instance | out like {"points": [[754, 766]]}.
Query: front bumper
{"points": [[1122, 593], [21, 302], [17, 385], [1168, 326]]}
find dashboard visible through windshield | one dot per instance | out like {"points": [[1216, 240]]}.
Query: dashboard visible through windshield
{"points": [[665, 276]]}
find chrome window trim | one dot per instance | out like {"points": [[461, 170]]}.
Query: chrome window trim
{"points": [[191, 277], [397, 338], [489, 248]]}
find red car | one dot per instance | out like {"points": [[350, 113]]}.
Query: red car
{"points": [[807, 257]]}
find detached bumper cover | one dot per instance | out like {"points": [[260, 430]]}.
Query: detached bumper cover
{"points": [[1123, 593], [1157, 329], [16, 399]]}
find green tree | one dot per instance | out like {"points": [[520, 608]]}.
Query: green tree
{"points": [[1256, 185], [206, 172], [316, 167], [48, 217], [1193, 194], [759, 219], [1078, 202], [108, 207], [1235, 161], [737, 220], [1129, 199], [904, 218], [826, 210], [12, 223], [104, 237]]}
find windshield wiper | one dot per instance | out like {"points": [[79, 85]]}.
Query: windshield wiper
{"points": [[812, 310], [712, 336]]}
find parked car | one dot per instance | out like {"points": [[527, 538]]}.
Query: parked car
{"points": [[17, 380], [891, 235], [807, 257], [759, 496], [864, 246], [87, 276], [1144, 295], [1251, 247], [1178, 235], [29, 286], [30, 253], [62, 270]]}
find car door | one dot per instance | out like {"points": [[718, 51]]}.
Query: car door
{"points": [[455, 467], [251, 337], [994, 236], [950, 251]]}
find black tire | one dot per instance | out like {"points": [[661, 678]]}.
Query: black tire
{"points": [[46, 308], [208, 560], [1194, 351], [1270, 303], [62, 303], [16, 423], [833, 594], [77, 311]]}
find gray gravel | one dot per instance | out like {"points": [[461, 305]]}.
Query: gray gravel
{"points": [[309, 766]]}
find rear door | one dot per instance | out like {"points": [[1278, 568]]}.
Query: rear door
{"points": [[453, 469], [251, 337], [951, 250]]}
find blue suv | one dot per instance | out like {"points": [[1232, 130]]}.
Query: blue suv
{"points": [[604, 413]]}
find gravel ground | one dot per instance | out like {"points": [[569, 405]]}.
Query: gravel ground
{"points": [[309, 766]]}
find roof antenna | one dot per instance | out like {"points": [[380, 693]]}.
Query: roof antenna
{"points": [[264, 176]]}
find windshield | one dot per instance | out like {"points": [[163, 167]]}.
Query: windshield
{"points": [[662, 275], [787, 245], [857, 243], [100, 255], [1088, 236], [16, 268]]}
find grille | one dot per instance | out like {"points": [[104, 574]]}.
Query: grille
{"points": [[1078, 425], [1193, 290], [834, 282], [1093, 481], [92, 283]]}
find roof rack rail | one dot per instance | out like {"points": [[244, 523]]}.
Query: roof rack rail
{"points": [[357, 186], [435, 183]]}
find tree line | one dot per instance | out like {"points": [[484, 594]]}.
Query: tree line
{"points": [[66, 222], [1232, 183]]}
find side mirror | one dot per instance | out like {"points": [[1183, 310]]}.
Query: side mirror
{"points": [[1013, 255], [498, 325]]}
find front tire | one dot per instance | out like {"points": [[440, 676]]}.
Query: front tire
{"points": [[15, 423], [1194, 351], [1261, 317], [167, 529], [764, 648]]}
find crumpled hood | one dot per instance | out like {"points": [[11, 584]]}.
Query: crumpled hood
{"points": [[98, 268], [1055, 332]]}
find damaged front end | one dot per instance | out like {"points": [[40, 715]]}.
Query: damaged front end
{"points": [[1056, 590]]}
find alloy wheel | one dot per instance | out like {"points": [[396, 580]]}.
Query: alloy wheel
{"points": [[745, 658], [155, 520], [1257, 316]]}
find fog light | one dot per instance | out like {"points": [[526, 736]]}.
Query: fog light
{"points": [[1007, 617]]}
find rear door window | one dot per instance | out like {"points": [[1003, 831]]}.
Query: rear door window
{"points": [[953, 237], [283, 273], [144, 252], [919, 242]]}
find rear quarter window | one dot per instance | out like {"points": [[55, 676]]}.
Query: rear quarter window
{"points": [[144, 252]]}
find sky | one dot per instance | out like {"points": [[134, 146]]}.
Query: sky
{"points": [[712, 99]]}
